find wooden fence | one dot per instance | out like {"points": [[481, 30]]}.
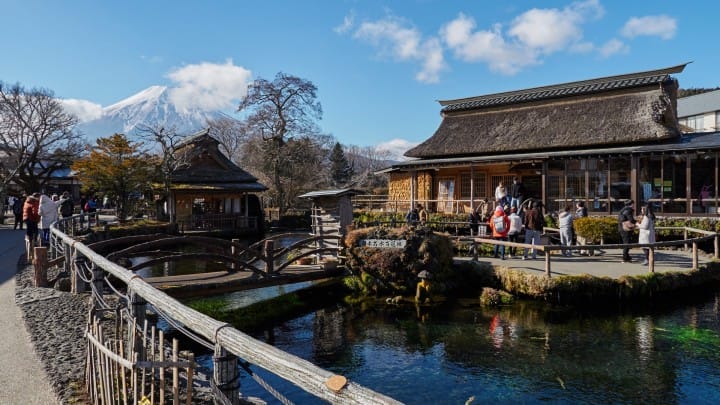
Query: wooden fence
{"points": [[89, 269], [548, 249]]}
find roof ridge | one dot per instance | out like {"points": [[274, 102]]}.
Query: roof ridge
{"points": [[568, 85]]}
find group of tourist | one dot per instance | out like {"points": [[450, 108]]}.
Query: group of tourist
{"points": [[506, 224], [38, 211]]}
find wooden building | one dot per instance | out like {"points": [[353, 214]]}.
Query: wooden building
{"points": [[601, 141], [209, 192]]}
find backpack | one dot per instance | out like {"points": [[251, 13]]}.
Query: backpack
{"points": [[499, 224], [66, 208]]}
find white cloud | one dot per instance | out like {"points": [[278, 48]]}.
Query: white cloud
{"points": [[396, 148], [208, 86], [532, 34], [656, 25], [83, 109], [346, 25], [486, 46], [405, 44], [612, 47]]}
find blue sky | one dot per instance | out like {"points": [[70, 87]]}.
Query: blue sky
{"points": [[380, 66]]}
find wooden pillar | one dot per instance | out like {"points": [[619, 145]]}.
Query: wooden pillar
{"points": [[651, 260], [694, 256], [67, 265], [233, 253], [225, 375], [269, 257], [137, 309], [634, 160], [688, 185], [685, 236], [475, 250], [98, 279], [78, 284], [717, 246], [547, 262], [40, 263], [472, 189]]}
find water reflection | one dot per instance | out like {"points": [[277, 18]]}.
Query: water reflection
{"points": [[527, 352]]}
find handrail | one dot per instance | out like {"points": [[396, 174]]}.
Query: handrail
{"points": [[300, 372]]}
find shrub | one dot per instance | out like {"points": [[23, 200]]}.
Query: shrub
{"points": [[395, 270], [595, 229]]}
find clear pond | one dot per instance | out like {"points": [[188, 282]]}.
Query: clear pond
{"points": [[525, 353]]}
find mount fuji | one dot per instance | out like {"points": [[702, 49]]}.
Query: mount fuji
{"points": [[150, 107]]}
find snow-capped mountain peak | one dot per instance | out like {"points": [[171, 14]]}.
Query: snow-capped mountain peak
{"points": [[150, 107]]}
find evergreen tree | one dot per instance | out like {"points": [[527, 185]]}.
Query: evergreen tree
{"points": [[340, 170]]}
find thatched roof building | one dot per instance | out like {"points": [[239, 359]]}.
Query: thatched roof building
{"points": [[612, 110], [601, 141]]}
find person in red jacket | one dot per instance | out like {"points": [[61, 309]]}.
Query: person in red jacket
{"points": [[500, 226], [31, 216]]}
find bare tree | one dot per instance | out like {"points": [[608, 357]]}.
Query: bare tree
{"points": [[232, 135], [366, 160], [280, 110], [37, 137], [167, 143]]}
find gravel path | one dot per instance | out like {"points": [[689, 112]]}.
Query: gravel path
{"points": [[55, 321]]}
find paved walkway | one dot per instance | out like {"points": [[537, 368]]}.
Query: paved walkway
{"points": [[607, 264], [22, 378]]}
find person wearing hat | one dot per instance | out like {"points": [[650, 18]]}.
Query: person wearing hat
{"points": [[515, 230], [500, 226], [422, 292], [626, 227]]}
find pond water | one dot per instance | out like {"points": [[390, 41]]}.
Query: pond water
{"points": [[523, 353]]}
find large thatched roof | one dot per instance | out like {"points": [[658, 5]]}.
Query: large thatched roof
{"points": [[617, 110]]}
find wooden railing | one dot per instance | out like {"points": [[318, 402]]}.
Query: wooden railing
{"points": [[88, 268], [548, 249]]}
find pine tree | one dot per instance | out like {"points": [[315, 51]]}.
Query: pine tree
{"points": [[340, 170]]}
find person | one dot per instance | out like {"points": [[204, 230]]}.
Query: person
{"points": [[565, 220], [474, 220], [422, 292], [534, 223], [626, 226], [517, 193], [66, 205], [31, 217], [647, 230], [83, 203], [581, 212], [48, 211], [500, 226], [412, 217], [422, 214], [106, 201], [500, 194], [18, 212], [515, 230], [91, 205]]}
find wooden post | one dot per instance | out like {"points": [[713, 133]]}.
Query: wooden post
{"points": [[547, 262], [29, 245], [651, 260], [233, 252], [67, 265], [225, 374], [137, 309], [78, 284], [475, 250], [717, 246], [694, 256], [98, 279], [685, 235], [270, 257], [40, 262]]}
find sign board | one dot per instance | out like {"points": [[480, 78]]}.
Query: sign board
{"points": [[384, 243]]}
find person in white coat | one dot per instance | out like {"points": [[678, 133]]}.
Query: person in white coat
{"points": [[647, 230], [48, 214]]}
